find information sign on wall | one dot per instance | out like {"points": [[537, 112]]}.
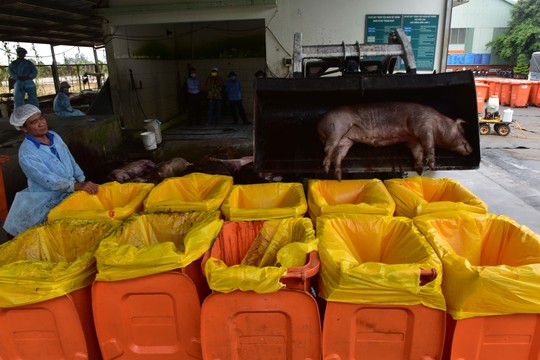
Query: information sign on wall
{"points": [[421, 30]]}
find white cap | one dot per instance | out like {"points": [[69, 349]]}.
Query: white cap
{"points": [[21, 114], [214, 69]]}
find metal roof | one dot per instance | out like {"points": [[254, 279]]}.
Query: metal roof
{"points": [[56, 22]]}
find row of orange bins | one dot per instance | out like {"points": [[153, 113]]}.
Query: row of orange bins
{"points": [[205, 294], [511, 92]]}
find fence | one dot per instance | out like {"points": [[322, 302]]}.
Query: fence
{"points": [[79, 76]]}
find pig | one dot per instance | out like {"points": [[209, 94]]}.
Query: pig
{"points": [[420, 127], [233, 165], [133, 169], [173, 167], [119, 175]]}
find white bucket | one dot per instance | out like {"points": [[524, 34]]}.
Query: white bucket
{"points": [[149, 140], [153, 125], [507, 115], [493, 104]]}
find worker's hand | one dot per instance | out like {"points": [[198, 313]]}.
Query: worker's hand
{"points": [[87, 186]]}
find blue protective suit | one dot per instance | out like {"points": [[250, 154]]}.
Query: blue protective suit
{"points": [[22, 68], [234, 89], [62, 106], [51, 172]]}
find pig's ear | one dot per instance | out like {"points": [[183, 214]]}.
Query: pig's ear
{"points": [[461, 125]]}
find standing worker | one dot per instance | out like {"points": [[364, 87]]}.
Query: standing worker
{"points": [[50, 168], [193, 86], [214, 85], [62, 106], [234, 92], [23, 72]]}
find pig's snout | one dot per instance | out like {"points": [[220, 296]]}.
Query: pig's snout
{"points": [[464, 148]]}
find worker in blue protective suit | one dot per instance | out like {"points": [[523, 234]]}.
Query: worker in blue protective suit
{"points": [[62, 106], [23, 72], [50, 168], [234, 93]]}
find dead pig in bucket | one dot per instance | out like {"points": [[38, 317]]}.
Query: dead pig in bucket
{"points": [[420, 127]]}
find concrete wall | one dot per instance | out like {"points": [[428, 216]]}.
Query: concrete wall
{"points": [[244, 68], [319, 21]]}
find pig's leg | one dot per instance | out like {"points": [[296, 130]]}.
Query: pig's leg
{"points": [[428, 144], [418, 155], [339, 154], [331, 143], [329, 150]]}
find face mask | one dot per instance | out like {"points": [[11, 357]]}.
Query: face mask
{"points": [[193, 75], [233, 77], [213, 73]]}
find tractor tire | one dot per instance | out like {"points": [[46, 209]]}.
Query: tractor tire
{"points": [[502, 129], [484, 129]]}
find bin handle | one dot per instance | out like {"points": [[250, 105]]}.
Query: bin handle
{"points": [[306, 271], [427, 276]]}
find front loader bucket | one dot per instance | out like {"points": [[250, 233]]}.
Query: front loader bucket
{"points": [[286, 113]]}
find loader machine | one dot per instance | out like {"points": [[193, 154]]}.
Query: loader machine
{"points": [[287, 110]]}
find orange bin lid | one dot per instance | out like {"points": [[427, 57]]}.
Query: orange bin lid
{"points": [[513, 336], [361, 331], [154, 316], [245, 325], [53, 327]]}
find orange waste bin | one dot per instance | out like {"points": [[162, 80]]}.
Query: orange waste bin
{"points": [[371, 312], [513, 336], [244, 324], [480, 252], [363, 331], [506, 91], [3, 201], [520, 93], [59, 328], [359, 196], [149, 287], [534, 96], [418, 195], [482, 91], [495, 87], [45, 297], [154, 316]]}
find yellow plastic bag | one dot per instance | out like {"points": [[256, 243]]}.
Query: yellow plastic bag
{"points": [[265, 202], [192, 192], [491, 263], [50, 260], [113, 201], [370, 259], [151, 243], [417, 196], [268, 249], [368, 196]]}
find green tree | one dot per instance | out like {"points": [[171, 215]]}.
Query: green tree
{"points": [[523, 33], [79, 58], [522, 66]]}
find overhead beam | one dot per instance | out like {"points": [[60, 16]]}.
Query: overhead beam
{"points": [[62, 8], [56, 19]]}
